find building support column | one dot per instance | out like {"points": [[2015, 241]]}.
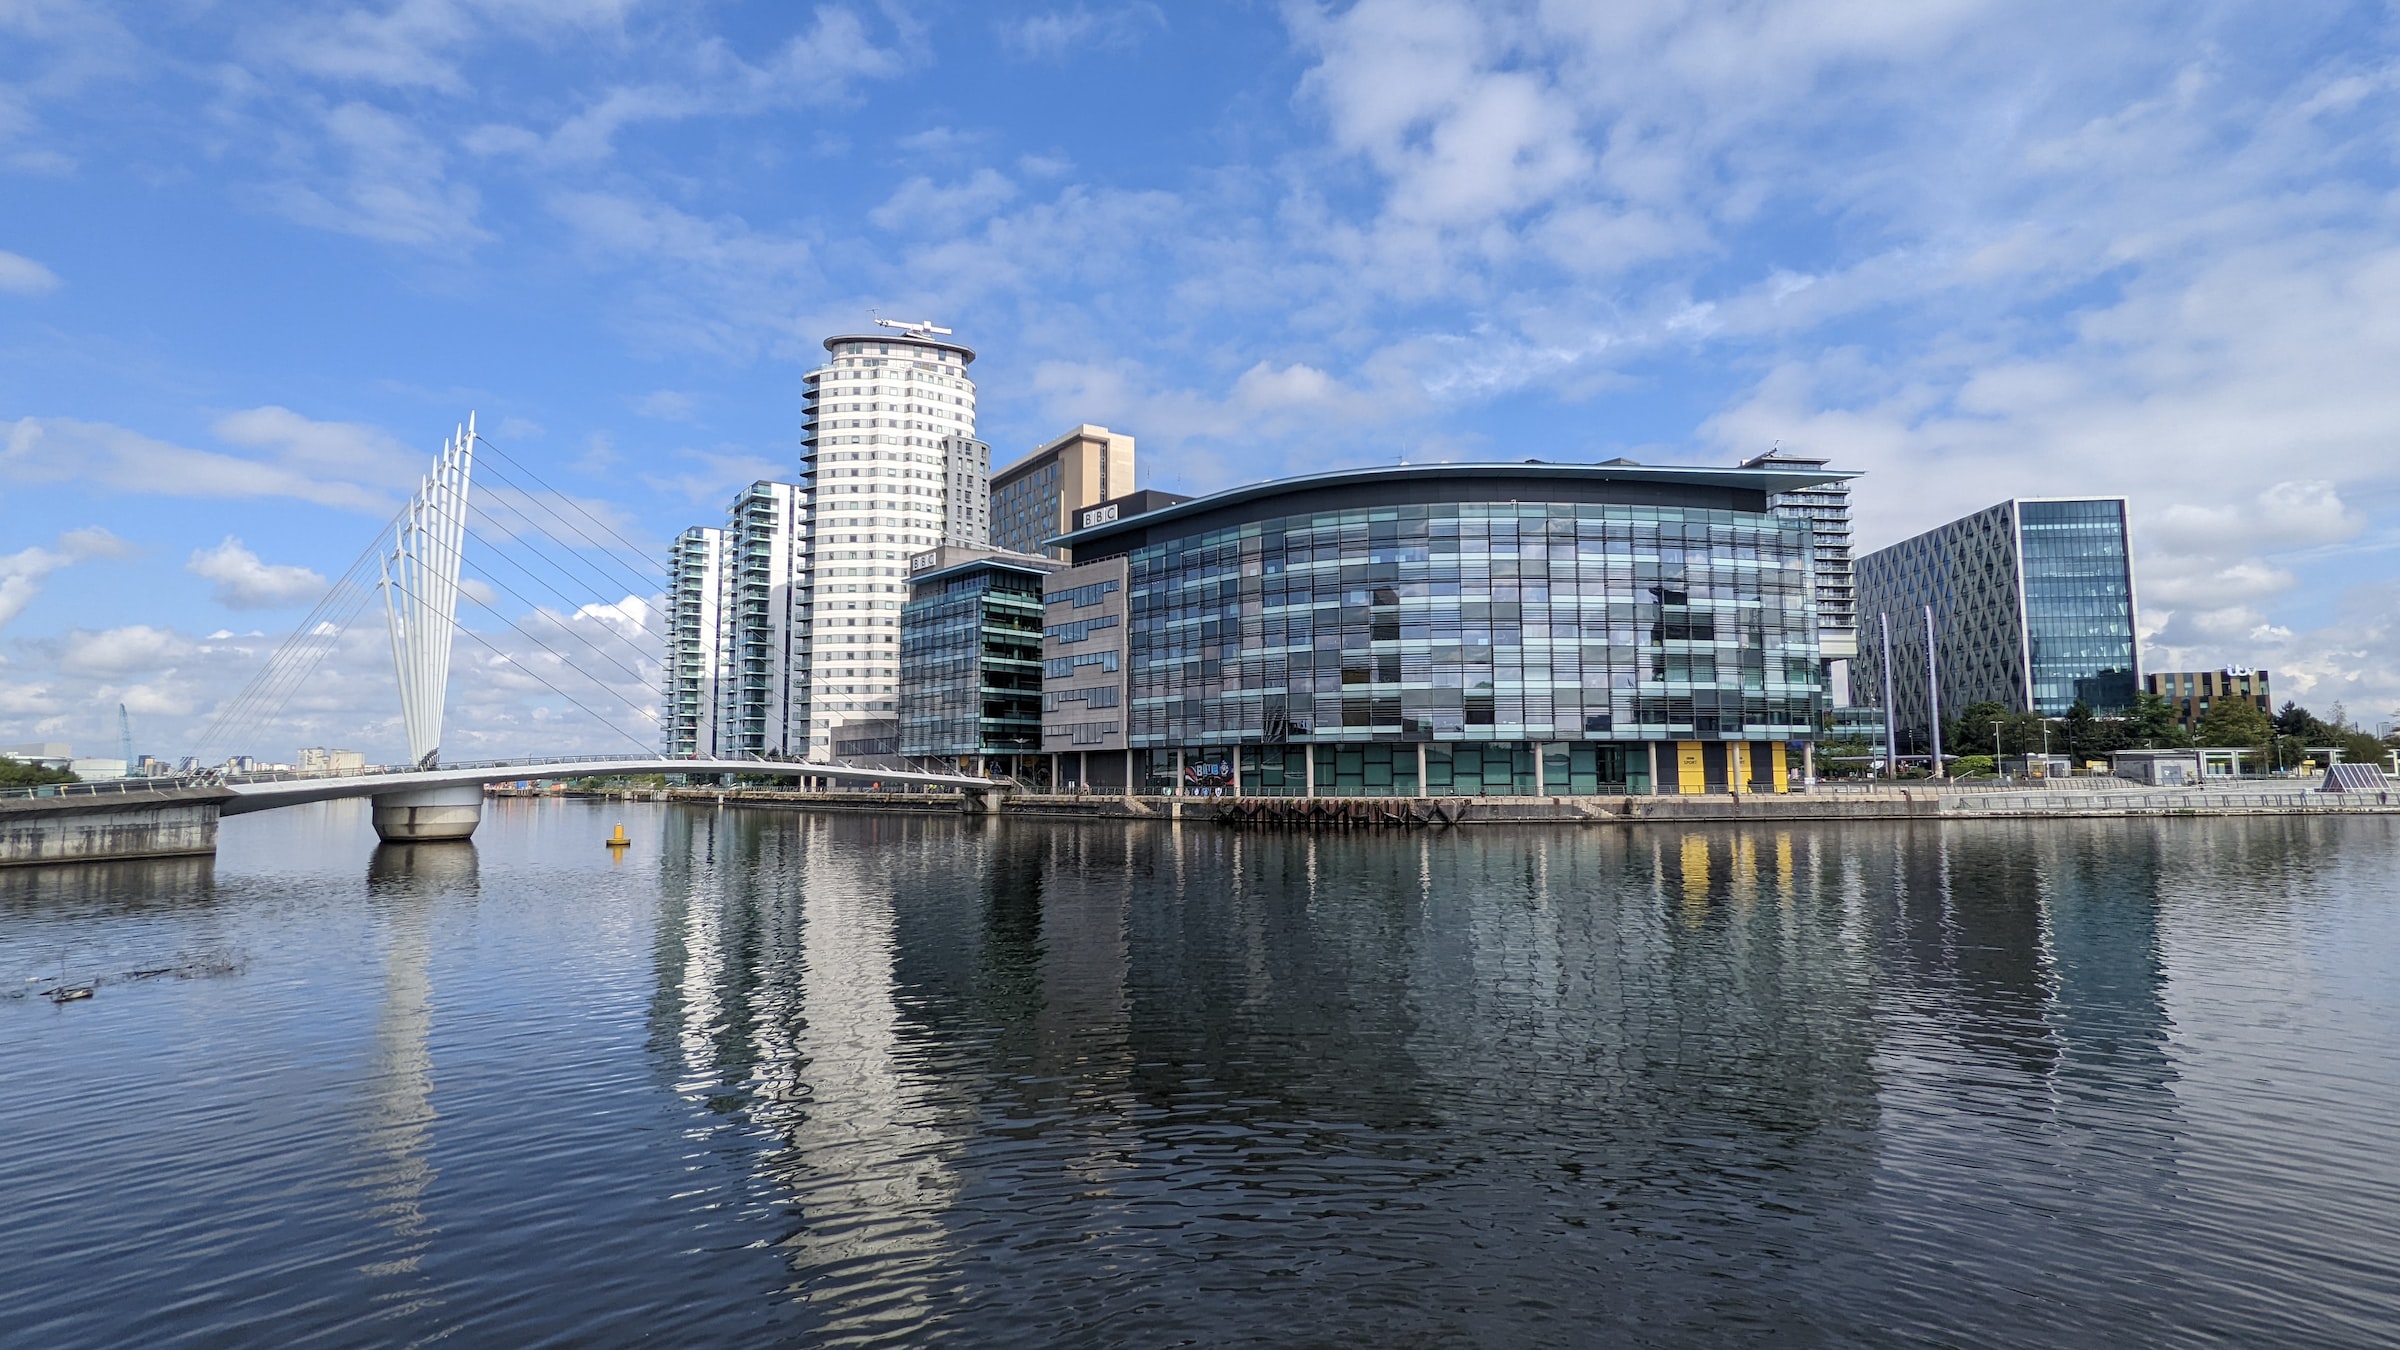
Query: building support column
{"points": [[1179, 771], [1541, 769], [1236, 752], [1421, 770], [1652, 746], [1310, 751], [1808, 764], [1129, 771]]}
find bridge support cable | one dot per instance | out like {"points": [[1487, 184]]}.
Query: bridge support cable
{"points": [[299, 655], [562, 658], [416, 563], [574, 603], [420, 579], [631, 550], [594, 565], [513, 663], [540, 512], [483, 574]]}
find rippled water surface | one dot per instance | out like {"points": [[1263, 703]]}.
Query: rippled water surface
{"points": [[842, 1079]]}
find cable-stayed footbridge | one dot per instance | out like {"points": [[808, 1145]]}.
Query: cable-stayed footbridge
{"points": [[417, 572]]}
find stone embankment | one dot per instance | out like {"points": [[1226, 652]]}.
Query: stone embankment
{"points": [[2085, 799]]}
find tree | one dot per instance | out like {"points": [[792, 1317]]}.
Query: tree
{"points": [[2301, 725], [1850, 757], [2081, 733], [2359, 747], [1972, 728], [2153, 725], [2024, 733], [2235, 722]]}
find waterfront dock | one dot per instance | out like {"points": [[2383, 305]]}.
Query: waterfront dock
{"points": [[2074, 799]]}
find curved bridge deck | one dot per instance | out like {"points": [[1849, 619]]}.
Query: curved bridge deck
{"points": [[154, 818]]}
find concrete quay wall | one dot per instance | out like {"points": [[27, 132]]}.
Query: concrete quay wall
{"points": [[67, 829], [1897, 804]]}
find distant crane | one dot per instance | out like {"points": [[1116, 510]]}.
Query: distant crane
{"points": [[125, 738], [914, 329]]}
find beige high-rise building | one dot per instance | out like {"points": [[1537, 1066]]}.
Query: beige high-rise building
{"points": [[1034, 499]]}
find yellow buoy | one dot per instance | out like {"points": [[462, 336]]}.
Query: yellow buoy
{"points": [[618, 840]]}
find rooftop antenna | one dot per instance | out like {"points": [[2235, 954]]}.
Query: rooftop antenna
{"points": [[915, 330]]}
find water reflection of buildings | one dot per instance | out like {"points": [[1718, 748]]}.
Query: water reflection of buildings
{"points": [[406, 884], [1067, 1035], [781, 982]]}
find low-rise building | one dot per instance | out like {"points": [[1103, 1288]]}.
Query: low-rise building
{"points": [[319, 759], [971, 660], [2194, 692], [2158, 768], [1452, 629], [40, 754]]}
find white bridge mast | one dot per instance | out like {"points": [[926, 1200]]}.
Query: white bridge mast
{"points": [[420, 593]]}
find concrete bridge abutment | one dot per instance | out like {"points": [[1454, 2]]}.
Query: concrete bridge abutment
{"points": [[427, 815], [66, 829]]}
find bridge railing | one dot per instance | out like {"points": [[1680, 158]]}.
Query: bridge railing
{"points": [[215, 778], [99, 788]]}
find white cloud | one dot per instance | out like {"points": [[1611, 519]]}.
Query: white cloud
{"points": [[244, 582], [59, 449], [416, 43], [22, 572], [23, 276], [716, 286], [349, 449], [667, 405], [926, 208], [133, 649], [1080, 30], [386, 181], [822, 64], [711, 477]]}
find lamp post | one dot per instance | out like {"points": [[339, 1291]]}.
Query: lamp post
{"points": [[1891, 735], [1933, 696]]}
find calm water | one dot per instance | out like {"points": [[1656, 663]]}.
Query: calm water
{"points": [[829, 1080]]}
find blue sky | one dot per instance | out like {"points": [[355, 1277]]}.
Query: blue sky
{"points": [[256, 260]]}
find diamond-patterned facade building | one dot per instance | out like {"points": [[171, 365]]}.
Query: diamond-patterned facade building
{"points": [[2033, 608]]}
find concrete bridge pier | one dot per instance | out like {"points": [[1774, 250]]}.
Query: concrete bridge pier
{"points": [[423, 815]]}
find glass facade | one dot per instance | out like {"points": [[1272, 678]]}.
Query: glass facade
{"points": [[2078, 605], [971, 642], [1499, 637], [2032, 606]]}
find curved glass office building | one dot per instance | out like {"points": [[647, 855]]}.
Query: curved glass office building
{"points": [[1472, 629]]}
